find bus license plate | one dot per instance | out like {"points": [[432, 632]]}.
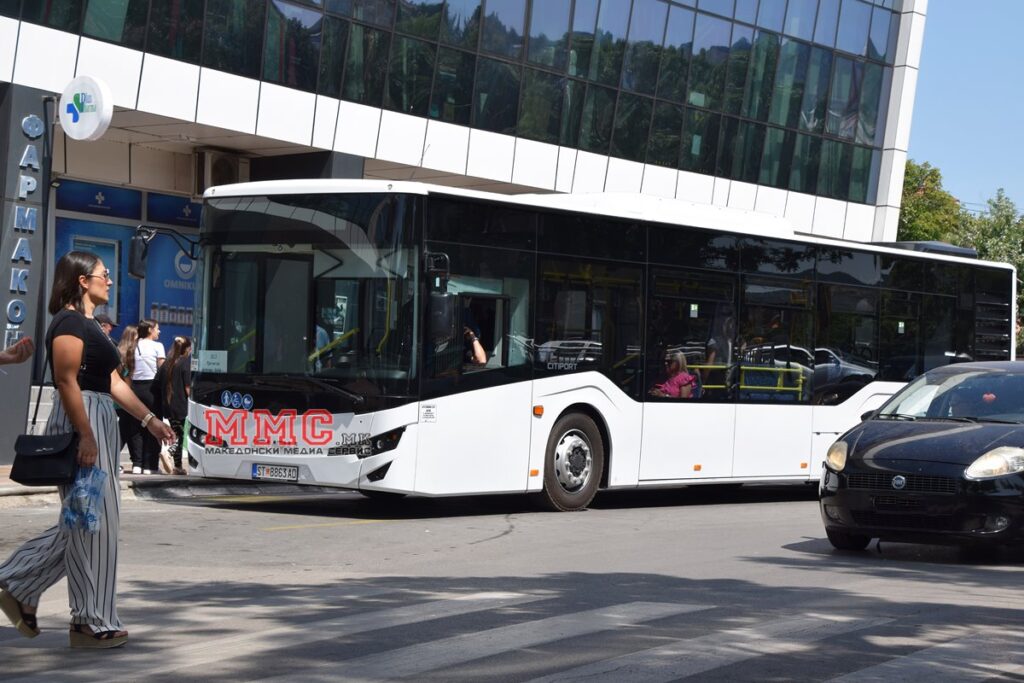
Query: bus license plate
{"points": [[275, 472]]}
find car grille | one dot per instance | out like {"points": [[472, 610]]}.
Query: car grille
{"points": [[896, 503], [918, 483], [881, 520]]}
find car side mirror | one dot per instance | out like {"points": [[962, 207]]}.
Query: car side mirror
{"points": [[867, 416], [137, 251]]}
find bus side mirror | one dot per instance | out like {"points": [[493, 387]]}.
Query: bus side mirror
{"points": [[137, 250], [441, 310]]}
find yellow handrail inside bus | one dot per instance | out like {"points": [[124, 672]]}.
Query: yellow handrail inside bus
{"points": [[321, 351]]}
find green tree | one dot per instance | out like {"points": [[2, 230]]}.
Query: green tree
{"points": [[928, 211]]}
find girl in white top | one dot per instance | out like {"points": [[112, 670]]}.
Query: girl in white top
{"points": [[149, 354]]}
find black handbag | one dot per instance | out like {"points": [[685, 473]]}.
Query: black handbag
{"points": [[44, 459]]}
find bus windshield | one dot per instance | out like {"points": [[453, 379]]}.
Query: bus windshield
{"points": [[315, 289]]}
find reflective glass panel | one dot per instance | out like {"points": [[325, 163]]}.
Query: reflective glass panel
{"points": [[834, 169], [291, 51], [882, 21], [632, 125], [461, 23], [770, 15], [710, 55], [119, 21], [420, 17], [694, 248], [233, 36], [503, 27], [540, 111], [410, 74], [643, 50], [332, 55], [584, 20], [722, 7], [380, 12], [452, 99], [675, 56], [800, 16], [366, 65], [739, 65], [777, 257], [803, 173], [825, 26], [814, 106], [863, 181], [777, 157], [848, 266], [10, 8], [496, 102], [788, 93], [846, 353], [739, 150], [663, 144], [64, 15], [874, 87], [699, 141], [609, 42], [763, 60], [549, 33], [854, 21], [844, 99], [746, 10], [176, 29], [596, 124], [572, 111]]}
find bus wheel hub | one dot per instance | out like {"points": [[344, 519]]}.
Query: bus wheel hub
{"points": [[573, 461]]}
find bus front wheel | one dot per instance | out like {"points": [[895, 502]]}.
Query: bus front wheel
{"points": [[573, 464]]}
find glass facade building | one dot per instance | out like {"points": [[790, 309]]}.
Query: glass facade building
{"points": [[790, 94]]}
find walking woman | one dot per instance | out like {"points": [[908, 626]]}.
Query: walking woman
{"points": [[127, 425], [84, 363], [173, 380], [149, 356]]}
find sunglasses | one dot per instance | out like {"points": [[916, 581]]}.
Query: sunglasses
{"points": [[105, 275]]}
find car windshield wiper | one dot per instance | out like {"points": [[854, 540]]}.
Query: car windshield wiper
{"points": [[994, 420], [351, 395], [897, 416]]}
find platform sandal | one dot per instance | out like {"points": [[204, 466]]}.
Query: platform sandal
{"points": [[23, 621], [84, 637]]}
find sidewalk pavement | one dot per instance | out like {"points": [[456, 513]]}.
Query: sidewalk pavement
{"points": [[155, 487]]}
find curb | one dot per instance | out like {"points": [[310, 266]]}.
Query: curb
{"points": [[169, 488]]}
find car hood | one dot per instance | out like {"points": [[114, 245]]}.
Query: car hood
{"points": [[959, 443]]}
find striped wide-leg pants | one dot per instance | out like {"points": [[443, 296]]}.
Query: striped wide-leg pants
{"points": [[88, 560]]}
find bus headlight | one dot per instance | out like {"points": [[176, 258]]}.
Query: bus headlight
{"points": [[998, 462], [837, 456]]}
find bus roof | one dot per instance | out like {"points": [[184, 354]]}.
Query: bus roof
{"points": [[629, 206]]}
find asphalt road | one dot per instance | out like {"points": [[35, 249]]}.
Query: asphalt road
{"points": [[659, 586]]}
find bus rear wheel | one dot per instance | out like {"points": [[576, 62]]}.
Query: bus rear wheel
{"points": [[573, 464]]}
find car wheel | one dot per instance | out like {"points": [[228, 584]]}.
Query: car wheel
{"points": [[841, 540], [573, 464]]}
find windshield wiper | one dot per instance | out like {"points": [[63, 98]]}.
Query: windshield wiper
{"points": [[897, 416], [351, 395], [994, 420]]}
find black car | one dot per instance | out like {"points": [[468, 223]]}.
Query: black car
{"points": [[941, 462]]}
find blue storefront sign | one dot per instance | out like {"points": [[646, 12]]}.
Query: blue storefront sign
{"points": [[170, 288], [110, 243], [165, 208], [113, 202]]}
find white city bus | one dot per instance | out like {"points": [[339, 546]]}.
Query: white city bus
{"points": [[335, 325]]}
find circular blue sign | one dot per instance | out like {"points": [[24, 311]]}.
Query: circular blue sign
{"points": [[225, 399], [247, 402], [236, 400]]}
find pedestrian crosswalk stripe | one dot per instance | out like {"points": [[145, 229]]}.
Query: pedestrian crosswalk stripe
{"points": [[976, 657], [423, 657], [697, 655], [134, 665]]}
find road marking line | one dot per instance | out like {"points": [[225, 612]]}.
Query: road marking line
{"points": [[428, 656], [698, 655], [324, 525], [977, 657], [135, 665]]}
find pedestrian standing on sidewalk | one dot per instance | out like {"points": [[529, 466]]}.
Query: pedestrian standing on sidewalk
{"points": [[127, 425], [173, 380], [83, 362], [149, 356]]}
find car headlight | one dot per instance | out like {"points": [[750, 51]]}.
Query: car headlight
{"points": [[837, 456], [998, 462]]}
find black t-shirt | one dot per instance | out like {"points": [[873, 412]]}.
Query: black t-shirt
{"points": [[180, 377], [100, 357]]}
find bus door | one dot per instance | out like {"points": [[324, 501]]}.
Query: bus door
{"points": [[688, 410], [774, 378]]}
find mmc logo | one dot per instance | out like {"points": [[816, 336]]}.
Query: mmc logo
{"points": [[81, 103]]}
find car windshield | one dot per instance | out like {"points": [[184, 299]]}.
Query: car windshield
{"points": [[960, 394]]}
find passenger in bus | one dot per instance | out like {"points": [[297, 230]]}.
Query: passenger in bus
{"points": [[473, 348], [680, 383]]}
